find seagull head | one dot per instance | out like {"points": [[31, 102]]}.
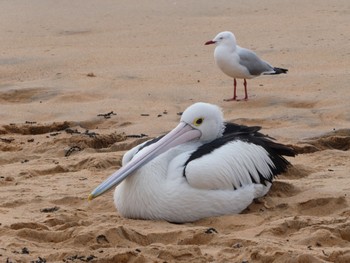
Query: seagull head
{"points": [[223, 38], [199, 122]]}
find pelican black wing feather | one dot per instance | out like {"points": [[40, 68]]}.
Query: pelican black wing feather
{"points": [[233, 128], [251, 135]]}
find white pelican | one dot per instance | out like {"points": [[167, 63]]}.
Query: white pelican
{"points": [[204, 167], [238, 62]]}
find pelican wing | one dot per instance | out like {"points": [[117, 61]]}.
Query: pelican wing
{"points": [[236, 129], [235, 160]]}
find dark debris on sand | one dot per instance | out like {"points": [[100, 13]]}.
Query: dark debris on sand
{"points": [[137, 135], [71, 150], [107, 115], [39, 260], [211, 230], [7, 140], [25, 250], [77, 258], [50, 209]]}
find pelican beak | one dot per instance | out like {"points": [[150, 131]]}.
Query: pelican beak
{"points": [[210, 42], [181, 134]]}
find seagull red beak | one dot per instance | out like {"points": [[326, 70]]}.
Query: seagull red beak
{"points": [[210, 42]]}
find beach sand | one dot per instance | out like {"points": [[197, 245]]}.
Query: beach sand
{"points": [[65, 65]]}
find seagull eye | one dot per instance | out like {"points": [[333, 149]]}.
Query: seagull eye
{"points": [[221, 38], [198, 121]]}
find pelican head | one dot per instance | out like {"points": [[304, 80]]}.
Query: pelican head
{"points": [[223, 38], [201, 121], [205, 117]]}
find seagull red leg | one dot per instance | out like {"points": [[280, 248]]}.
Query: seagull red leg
{"points": [[234, 91], [245, 90]]}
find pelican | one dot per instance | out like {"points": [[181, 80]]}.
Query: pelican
{"points": [[238, 62], [204, 167]]}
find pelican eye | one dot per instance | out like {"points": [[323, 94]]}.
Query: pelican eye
{"points": [[198, 121]]}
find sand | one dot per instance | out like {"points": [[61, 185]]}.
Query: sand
{"points": [[137, 65]]}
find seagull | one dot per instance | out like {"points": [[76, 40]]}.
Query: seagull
{"points": [[204, 167], [238, 62]]}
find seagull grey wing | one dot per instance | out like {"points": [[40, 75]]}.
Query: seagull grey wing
{"points": [[253, 63]]}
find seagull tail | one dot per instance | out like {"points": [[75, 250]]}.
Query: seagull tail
{"points": [[279, 71]]}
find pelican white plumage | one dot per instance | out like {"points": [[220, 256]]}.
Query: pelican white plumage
{"points": [[204, 167], [238, 62]]}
